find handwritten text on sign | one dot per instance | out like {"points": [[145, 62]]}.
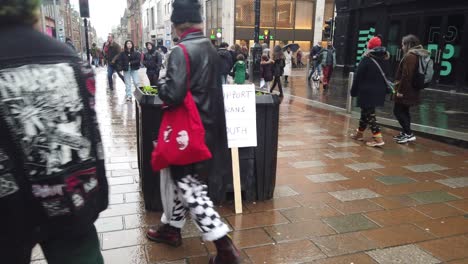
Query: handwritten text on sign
{"points": [[241, 117]]}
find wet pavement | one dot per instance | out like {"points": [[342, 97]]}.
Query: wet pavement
{"points": [[443, 110], [336, 200]]}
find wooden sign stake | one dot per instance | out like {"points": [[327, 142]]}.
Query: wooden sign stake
{"points": [[236, 180]]}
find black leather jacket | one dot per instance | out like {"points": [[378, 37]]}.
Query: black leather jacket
{"points": [[206, 89], [52, 175]]}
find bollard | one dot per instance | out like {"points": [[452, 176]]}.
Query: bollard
{"points": [[307, 70], [349, 102]]}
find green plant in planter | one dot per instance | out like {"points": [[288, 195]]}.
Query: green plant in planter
{"points": [[150, 90], [261, 93]]}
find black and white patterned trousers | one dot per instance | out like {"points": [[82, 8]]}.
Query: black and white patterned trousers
{"points": [[191, 194]]}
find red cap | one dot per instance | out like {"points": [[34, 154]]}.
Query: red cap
{"points": [[374, 43]]}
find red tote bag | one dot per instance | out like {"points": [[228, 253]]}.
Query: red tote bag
{"points": [[181, 138]]}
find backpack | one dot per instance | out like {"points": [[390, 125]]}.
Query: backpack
{"points": [[424, 73]]}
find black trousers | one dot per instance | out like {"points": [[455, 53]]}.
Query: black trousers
{"points": [[276, 81], [402, 114], [153, 77], [368, 118]]}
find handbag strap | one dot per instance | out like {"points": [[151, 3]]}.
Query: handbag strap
{"points": [[380, 69], [187, 63]]}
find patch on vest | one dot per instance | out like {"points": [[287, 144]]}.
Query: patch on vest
{"points": [[44, 109]]}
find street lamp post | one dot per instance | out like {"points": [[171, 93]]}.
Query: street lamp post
{"points": [[256, 50]]}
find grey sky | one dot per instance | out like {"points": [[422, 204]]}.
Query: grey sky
{"points": [[105, 14]]}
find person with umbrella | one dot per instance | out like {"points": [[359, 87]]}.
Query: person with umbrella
{"points": [[288, 61]]}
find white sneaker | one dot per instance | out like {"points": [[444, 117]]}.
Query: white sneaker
{"points": [[406, 138]]}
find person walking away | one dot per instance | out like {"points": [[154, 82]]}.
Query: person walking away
{"points": [[94, 54], [265, 50], [299, 58], [370, 88], [288, 61], [201, 77], [52, 175], [152, 60], [113, 50], [278, 69], [129, 61], [314, 60], [239, 70], [69, 43], [407, 95], [266, 71], [328, 62], [226, 62]]}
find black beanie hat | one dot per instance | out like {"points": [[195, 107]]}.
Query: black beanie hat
{"points": [[186, 11]]}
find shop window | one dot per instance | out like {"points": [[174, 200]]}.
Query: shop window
{"points": [[285, 14], [304, 11], [245, 15], [329, 10], [267, 13]]}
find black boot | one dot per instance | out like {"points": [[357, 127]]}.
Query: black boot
{"points": [[227, 252]]}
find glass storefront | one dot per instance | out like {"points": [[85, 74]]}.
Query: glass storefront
{"points": [[289, 21]]}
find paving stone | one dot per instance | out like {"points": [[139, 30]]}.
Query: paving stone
{"points": [[397, 235], [292, 252], [299, 230], [455, 182], [191, 247], [116, 198], [394, 180], [106, 224], [409, 254], [133, 197], [326, 177], [286, 154], [120, 180], [284, 191], [359, 258], [432, 197], [316, 130], [341, 155], [365, 166], [350, 223], [342, 244], [442, 153], [290, 143], [447, 249], [246, 221], [323, 137], [343, 144], [124, 238], [425, 168], [307, 164], [356, 194]]}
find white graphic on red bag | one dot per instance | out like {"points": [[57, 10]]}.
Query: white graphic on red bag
{"points": [[182, 139]]}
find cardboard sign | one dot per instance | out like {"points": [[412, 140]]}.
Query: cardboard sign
{"points": [[241, 116]]}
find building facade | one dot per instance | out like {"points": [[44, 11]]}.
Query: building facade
{"points": [[157, 26], [441, 26], [287, 21]]}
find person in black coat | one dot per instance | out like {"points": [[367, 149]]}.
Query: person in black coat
{"points": [[199, 75], [129, 62], [278, 69], [370, 88], [152, 61], [53, 181], [226, 61]]}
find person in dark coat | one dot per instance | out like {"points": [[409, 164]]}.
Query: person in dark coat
{"points": [[226, 61], [407, 94], [53, 181], [266, 71], [278, 69], [152, 61], [370, 88], [111, 51], [129, 61], [205, 86]]}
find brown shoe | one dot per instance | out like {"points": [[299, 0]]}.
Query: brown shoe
{"points": [[227, 252], [165, 234], [358, 135]]}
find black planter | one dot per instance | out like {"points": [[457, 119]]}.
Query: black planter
{"points": [[257, 164]]}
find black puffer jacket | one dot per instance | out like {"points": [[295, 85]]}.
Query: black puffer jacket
{"points": [[369, 86], [226, 61], [152, 60], [131, 59], [52, 175], [206, 89]]}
